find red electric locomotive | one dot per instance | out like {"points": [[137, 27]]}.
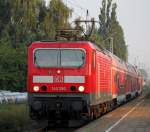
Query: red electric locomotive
{"points": [[74, 80]]}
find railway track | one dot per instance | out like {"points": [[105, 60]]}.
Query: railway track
{"points": [[54, 129], [44, 129]]}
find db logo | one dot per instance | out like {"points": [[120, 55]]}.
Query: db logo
{"points": [[58, 79]]}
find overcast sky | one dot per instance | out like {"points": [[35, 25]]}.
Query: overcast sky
{"points": [[134, 17]]}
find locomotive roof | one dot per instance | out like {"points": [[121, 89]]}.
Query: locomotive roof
{"points": [[129, 67]]}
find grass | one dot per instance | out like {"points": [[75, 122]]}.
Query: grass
{"points": [[13, 117]]}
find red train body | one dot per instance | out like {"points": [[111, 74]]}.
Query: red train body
{"points": [[72, 80]]}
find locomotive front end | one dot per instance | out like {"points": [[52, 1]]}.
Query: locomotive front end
{"points": [[58, 81]]}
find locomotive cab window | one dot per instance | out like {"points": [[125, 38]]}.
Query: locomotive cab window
{"points": [[59, 57], [46, 57], [72, 58]]}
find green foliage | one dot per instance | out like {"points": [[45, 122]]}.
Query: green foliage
{"points": [[59, 13], [13, 67], [24, 13], [13, 118], [110, 28], [57, 16], [4, 14], [144, 73], [103, 21], [97, 38]]}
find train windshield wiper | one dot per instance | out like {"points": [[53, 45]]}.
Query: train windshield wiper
{"points": [[36, 62], [83, 61]]}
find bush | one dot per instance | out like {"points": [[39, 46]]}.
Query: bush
{"points": [[13, 118], [13, 67]]}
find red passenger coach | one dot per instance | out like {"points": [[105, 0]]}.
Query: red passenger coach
{"points": [[74, 80]]}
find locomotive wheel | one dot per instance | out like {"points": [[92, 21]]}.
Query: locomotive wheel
{"points": [[110, 106], [92, 115], [104, 108], [95, 113]]}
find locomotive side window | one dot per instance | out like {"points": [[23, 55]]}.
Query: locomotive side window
{"points": [[72, 58], [59, 57], [117, 80], [46, 57], [93, 59]]}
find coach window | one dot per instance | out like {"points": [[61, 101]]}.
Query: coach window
{"points": [[46, 57], [117, 80]]}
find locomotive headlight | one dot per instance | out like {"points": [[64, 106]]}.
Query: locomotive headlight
{"points": [[81, 88], [36, 88]]}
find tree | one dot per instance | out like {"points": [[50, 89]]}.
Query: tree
{"points": [[4, 14], [25, 13], [13, 66], [42, 11], [57, 17], [120, 48], [24, 20], [102, 20], [110, 28]]}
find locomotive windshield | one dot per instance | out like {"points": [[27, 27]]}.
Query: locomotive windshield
{"points": [[59, 57]]}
